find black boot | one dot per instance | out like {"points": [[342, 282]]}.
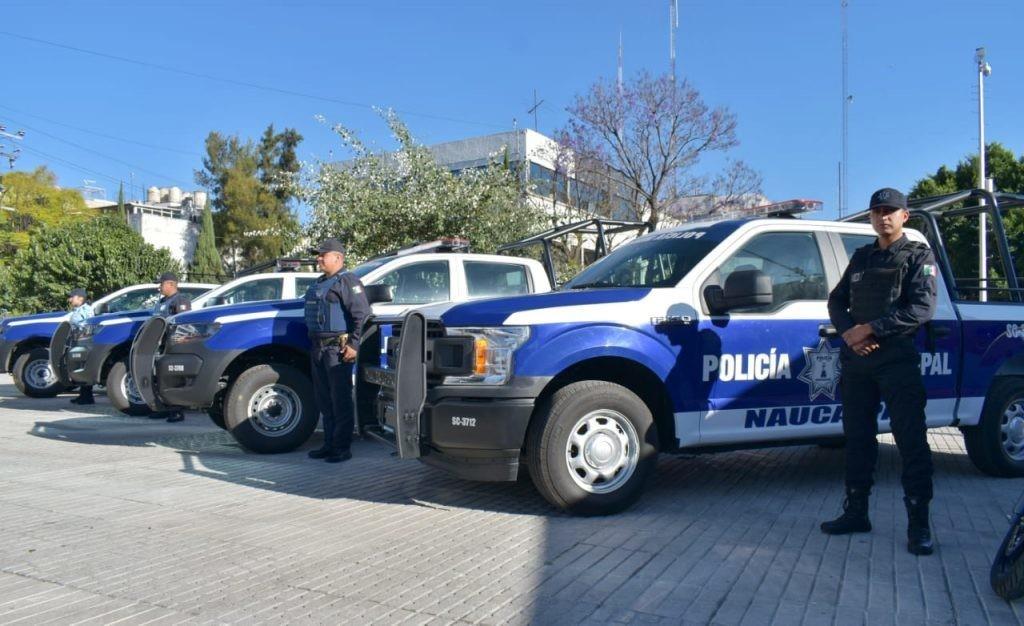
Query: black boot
{"points": [[919, 534], [855, 515]]}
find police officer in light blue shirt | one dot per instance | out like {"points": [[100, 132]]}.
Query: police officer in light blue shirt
{"points": [[80, 312], [336, 307]]}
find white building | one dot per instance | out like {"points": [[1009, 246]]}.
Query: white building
{"points": [[168, 219]]}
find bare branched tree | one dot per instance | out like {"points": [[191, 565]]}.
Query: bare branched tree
{"points": [[652, 133]]}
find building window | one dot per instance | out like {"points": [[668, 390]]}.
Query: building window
{"points": [[547, 183]]}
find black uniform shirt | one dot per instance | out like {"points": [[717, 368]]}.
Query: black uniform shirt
{"points": [[916, 302], [170, 305], [349, 291]]}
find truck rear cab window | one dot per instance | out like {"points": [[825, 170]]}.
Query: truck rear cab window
{"points": [[851, 243], [419, 283], [792, 260], [486, 279]]}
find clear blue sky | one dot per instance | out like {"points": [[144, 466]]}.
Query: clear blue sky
{"points": [[459, 68]]}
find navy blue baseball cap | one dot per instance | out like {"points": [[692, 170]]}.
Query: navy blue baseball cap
{"points": [[329, 245], [78, 291], [888, 197], [166, 276]]}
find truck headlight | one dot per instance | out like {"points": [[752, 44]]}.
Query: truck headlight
{"points": [[190, 333], [84, 331], [492, 353]]}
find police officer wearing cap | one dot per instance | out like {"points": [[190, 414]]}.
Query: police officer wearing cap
{"points": [[335, 310], [171, 302], [886, 294], [81, 310]]}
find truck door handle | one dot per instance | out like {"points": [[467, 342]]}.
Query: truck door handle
{"points": [[942, 331], [827, 330]]}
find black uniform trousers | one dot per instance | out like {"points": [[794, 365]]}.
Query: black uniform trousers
{"points": [[892, 374], [332, 389]]}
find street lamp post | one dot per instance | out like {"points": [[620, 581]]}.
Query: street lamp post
{"points": [[984, 70]]}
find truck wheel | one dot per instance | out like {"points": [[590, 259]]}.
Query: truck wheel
{"points": [[591, 447], [33, 375], [270, 408], [123, 393], [216, 411], [996, 444]]}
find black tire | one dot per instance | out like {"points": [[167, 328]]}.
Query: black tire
{"points": [[1007, 574], [984, 442], [25, 370], [548, 450], [216, 411], [115, 383], [290, 390]]}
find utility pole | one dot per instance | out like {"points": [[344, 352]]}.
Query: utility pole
{"points": [[620, 64], [533, 110], [11, 152], [984, 70]]}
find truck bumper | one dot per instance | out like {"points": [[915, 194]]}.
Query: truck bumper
{"points": [[6, 348], [473, 431], [85, 363], [191, 379]]}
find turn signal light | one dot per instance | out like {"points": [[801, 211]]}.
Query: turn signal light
{"points": [[480, 360]]}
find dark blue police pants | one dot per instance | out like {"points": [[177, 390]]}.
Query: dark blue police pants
{"points": [[891, 374], [332, 388]]}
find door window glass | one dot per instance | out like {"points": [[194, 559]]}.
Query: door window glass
{"points": [[419, 283], [791, 260]]}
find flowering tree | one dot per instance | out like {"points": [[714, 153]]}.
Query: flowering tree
{"points": [[378, 201], [651, 133]]}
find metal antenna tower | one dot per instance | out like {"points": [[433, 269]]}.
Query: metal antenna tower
{"points": [[843, 184], [620, 63], [533, 109], [673, 24]]}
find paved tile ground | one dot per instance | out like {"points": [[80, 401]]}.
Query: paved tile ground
{"points": [[112, 519]]}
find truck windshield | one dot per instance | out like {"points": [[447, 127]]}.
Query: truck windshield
{"points": [[658, 260], [369, 266]]}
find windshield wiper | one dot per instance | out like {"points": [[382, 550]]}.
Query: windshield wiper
{"points": [[594, 285]]}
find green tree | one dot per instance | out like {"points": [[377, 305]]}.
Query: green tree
{"points": [[961, 234], [120, 202], [251, 192], [206, 262], [100, 255], [37, 202], [379, 201]]}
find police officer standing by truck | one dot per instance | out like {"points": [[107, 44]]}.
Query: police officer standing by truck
{"points": [[81, 310], [886, 294], [171, 302], [336, 307]]}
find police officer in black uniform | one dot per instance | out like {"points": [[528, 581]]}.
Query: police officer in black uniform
{"points": [[887, 292], [171, 302], [336, 308]]}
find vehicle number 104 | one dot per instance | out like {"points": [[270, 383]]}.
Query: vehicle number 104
{"points": [[469, 422]]}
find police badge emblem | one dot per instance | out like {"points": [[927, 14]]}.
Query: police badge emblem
{"points": [[821, 370]]}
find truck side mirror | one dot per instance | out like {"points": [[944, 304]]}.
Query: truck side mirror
{"points": [[99, 309], [377, 294], [219, 300], [743, 289], [747, 288]]}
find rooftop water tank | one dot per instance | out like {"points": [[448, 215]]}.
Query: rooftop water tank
{"points": [[153, 195]]}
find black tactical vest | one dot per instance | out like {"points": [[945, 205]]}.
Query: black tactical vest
{"points": [[875, 290]]}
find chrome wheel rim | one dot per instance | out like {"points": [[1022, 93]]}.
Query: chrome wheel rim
{"points": [[129, 390], [39, 374], [602, 452], [1013, 430], [274, 410]]}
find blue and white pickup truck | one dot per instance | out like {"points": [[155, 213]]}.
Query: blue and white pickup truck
{"points": [[25, 340], [708, 337], [248, 365], [97, 352]]}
